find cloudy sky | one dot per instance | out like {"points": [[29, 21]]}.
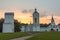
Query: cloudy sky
{"points": [[25, 8]]}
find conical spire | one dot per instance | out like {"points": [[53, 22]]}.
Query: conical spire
{"points": [[52, 23], [52, 20]]}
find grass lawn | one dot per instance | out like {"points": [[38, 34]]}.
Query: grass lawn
{"points": [[47, 36], [8, 36]]}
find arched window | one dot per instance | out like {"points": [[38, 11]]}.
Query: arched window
{"points": [[35, 19]]}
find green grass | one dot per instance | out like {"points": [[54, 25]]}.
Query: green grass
{"points": [[8, 36], [47, 36]]}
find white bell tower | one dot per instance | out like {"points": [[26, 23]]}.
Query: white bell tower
{"points": [[36, 26]]}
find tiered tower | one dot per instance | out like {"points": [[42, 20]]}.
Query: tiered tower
{"points": [[36, 26]]}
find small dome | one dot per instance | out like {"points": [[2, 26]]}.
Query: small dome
{"points": [[36, 12]]}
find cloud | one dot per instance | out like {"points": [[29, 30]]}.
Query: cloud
{"points": [[42, 13], [24, 11], [27, 11]]}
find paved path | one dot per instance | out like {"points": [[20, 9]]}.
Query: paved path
{"points": [[25, 37]]}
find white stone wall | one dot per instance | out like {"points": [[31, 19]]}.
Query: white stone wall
{"points": [[22, 28], [8, 27], [36, 28]]}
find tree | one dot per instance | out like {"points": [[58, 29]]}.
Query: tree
{"points": [[44, 25], [59, 24], [1, 24], [17, 26]]}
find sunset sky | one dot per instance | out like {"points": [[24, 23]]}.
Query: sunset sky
{"points": [[23, 9]]}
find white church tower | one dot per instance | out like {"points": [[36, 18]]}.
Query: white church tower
{"points": [[36, 26], [52, 26], [52, 23], [8, 25]]}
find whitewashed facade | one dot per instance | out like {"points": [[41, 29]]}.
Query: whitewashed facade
{"points": [[8, 25]]}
